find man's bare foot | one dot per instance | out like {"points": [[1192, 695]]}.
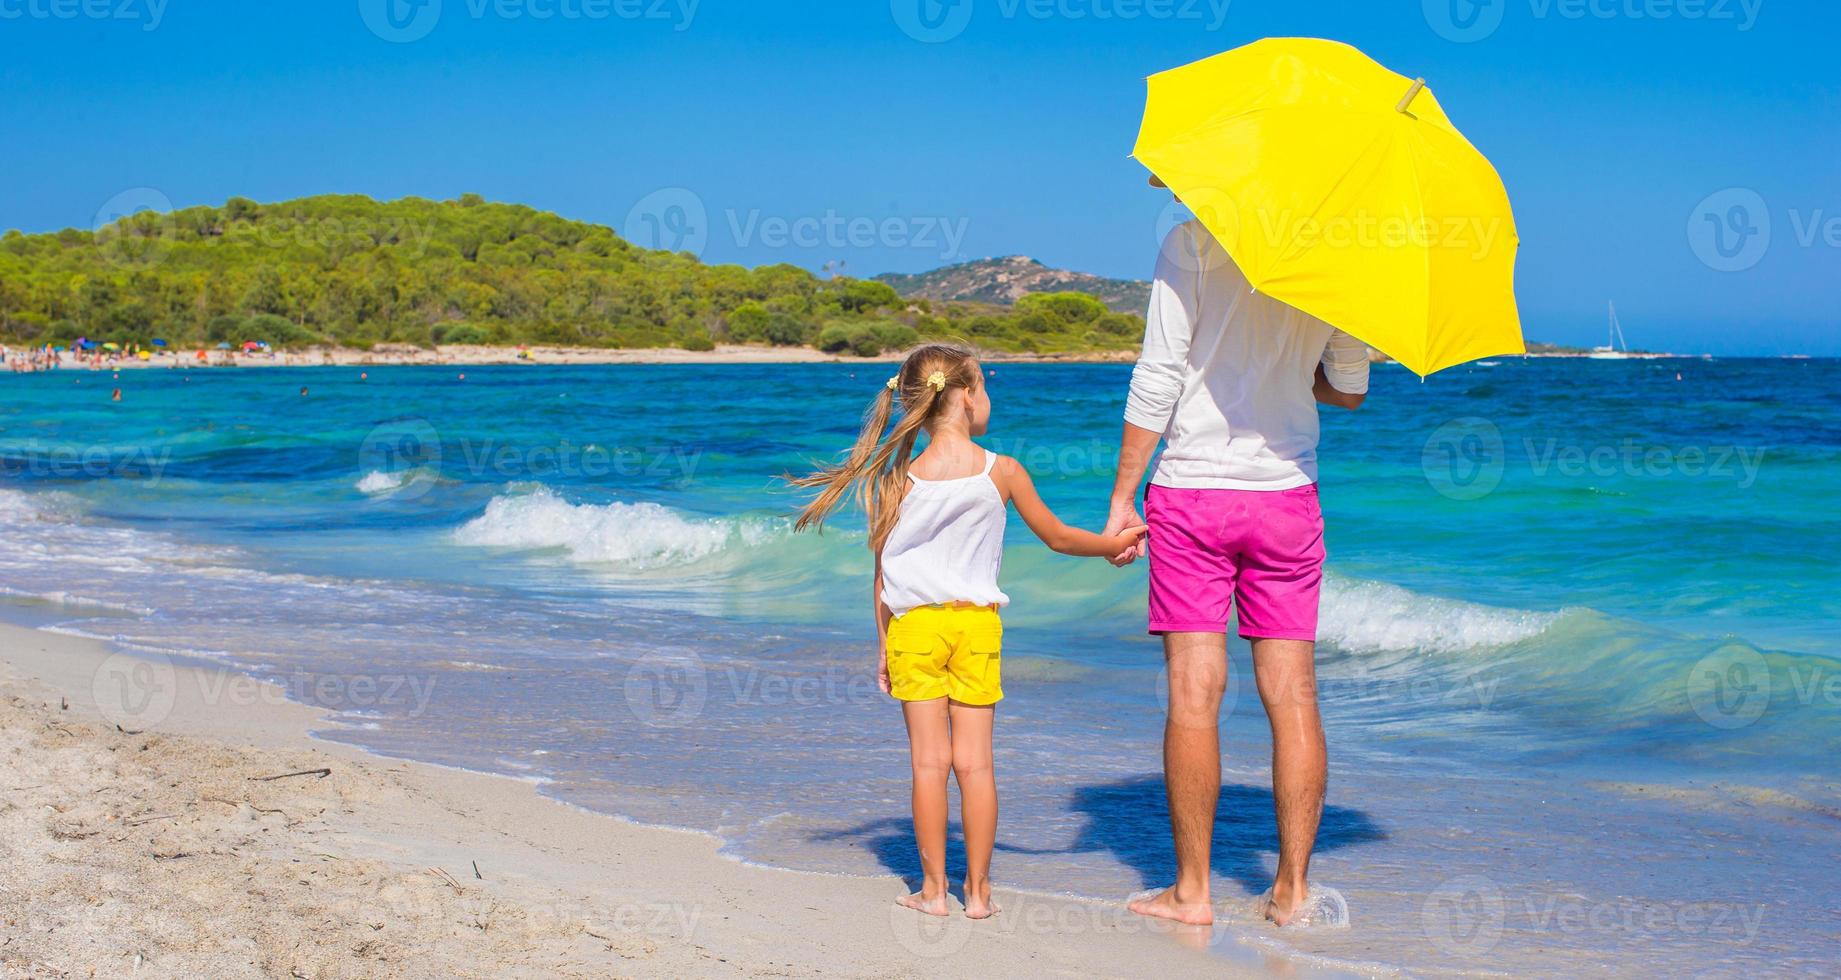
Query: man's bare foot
{"points": [[920, 902], [978, 904], [1313, 907], [1284, 902], [1192, 910]]}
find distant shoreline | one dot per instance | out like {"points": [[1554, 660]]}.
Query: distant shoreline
{"points": [[472, 356]]}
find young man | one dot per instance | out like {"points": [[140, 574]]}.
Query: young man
{"points": [[1230, 380]]}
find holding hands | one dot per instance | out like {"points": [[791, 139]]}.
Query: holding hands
{"points": [[1128, 529]]}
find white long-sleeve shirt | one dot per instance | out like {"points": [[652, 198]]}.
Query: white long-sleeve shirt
{"points": [[1226, 374]]}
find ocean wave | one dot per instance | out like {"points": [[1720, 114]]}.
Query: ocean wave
{"points": [[377, 481], [1370, 617], [637, 537], [78, 602], [20, 506]]}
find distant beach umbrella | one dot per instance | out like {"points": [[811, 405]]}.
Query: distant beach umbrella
{"points": [[111, 346], [223, 346], [157, 342]]}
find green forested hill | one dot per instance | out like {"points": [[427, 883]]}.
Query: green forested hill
{"points": [[355, 272]]}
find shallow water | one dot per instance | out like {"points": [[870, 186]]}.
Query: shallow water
{"points": [[1581, 648]]}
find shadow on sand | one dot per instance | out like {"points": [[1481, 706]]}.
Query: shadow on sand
{"points": [[1130, 820]]}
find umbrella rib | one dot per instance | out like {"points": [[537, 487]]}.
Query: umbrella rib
{"points": [[1425, 254]]}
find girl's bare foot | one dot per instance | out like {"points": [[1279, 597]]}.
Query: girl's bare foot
{"points": [[978, 904], [921, 902]]}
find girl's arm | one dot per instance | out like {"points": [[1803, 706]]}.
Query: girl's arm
{"points": [[883, 615], [1020, 490]]}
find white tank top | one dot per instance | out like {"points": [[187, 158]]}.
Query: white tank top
{"points": [[948, 543]]}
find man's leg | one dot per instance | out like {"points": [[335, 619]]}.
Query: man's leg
{"points": [[1286, 671], [1197, 665]]}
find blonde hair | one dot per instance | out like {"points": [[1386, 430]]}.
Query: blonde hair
{"points": [[876, 470]]}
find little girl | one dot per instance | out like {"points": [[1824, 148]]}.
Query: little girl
{"points": [[936, 524]]}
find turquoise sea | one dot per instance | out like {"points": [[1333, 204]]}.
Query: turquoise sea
{"points": [[1580, 659]]}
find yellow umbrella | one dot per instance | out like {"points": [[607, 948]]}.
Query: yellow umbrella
{"points": [[1341, 188]]}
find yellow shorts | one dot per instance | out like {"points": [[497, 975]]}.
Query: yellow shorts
{"points": [[946, 652]]}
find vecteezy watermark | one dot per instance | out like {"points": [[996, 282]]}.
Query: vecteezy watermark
{"points": [[87, 462], [937, 936], [938, 21], [135, 692], [667, 690], [676, 219], [1468, 21], [1734, 686], [413, 238], [401, 456], [1731, 230], [138, 691], [1629, 457], [1464, 459], [147, 13], [1467, 916], [674, 465], [1464, 916], [1730, 687], [1284, 230], [1467, 458], [403, 21], [940, 236], [135, 228], [1185, 700], [672, 219], [416, 898]]}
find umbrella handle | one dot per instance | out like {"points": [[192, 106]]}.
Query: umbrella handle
{"points": [[1411, 94]]}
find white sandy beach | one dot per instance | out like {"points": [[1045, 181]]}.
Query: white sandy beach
{"points": [[163, 852]]}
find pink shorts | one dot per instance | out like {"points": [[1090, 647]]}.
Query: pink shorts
{"points": [[1213, 548]]}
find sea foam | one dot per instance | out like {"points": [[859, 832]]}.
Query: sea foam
{"points": [[377, 481], [632, 536], [1366, 617]]}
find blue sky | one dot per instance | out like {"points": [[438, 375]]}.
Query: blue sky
{"points": [[899, 135]]}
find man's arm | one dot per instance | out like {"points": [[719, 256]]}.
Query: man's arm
{"points": [[1157, 381], [1136, 446], [1342, 372]]}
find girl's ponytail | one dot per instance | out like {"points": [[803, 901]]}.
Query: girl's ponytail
{"points": [[876, 471]]}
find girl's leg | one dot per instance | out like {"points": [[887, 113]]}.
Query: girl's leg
{"points": [[971, 764], [930, 750]]}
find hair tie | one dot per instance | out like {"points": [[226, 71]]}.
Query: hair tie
{"points": [[895, 382], [938, 380]]}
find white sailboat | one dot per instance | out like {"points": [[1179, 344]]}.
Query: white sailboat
{"points": [[1618, 349]]}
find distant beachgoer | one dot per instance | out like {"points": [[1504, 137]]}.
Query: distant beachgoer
{"points": [[116, 396], [303, 392], [936, 525]]}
